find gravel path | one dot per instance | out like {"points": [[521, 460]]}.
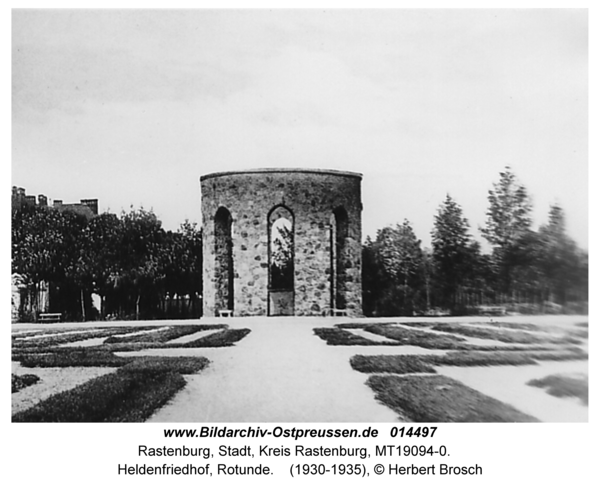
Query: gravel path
{"points": [[281, 372], [52, 380]]}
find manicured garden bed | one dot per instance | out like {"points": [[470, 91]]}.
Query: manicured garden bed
{"points": [[19, 382], [436, 398], [403, 364], [138, 387], [514, 336], [162, 335], [48, 338], [340, 336], [564, 386], [131, 394], [337, 336]]}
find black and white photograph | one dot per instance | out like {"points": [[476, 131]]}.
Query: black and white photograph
{"points": [[368, 217]]}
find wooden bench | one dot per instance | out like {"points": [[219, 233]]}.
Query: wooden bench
{"points": [[50, 317], [225, 313], [337, 312]]}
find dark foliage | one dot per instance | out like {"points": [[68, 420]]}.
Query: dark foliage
{"points": [[527, 271], [19, 382], [139, 270]]}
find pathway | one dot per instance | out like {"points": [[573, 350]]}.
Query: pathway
{"points": [[281, 372]]}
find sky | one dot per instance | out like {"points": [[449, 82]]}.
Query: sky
{"points": [[132, 107]]}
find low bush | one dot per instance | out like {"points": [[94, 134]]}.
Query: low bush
{"points": [[564, 386], [117, 397], [475, 358], [337, 336], [131, 394], [436, 398], [405, 364], [181, 365], [225, 338], [393, 364], [503, 335], [71, 357], [19, 382], [46, 339], [505, 324], [162, 335], [416, 337], [579, 333]]}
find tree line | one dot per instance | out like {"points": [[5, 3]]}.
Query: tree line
{"points": [[135, 268], [526, 271]]}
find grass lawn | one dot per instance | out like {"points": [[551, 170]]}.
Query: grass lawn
{"points": [[131, 394], [19, 382], [403, 364], [69, 357], [341, 337], [225, 338], [564, 386], [337, 336], [162, 335], [436, 398], [514, 336], [416, 337], [393, 364], [53, 338]]}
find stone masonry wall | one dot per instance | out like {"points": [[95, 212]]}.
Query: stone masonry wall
{"points": [[311, 196]]}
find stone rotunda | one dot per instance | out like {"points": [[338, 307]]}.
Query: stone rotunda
{"points": [[281, 242]]}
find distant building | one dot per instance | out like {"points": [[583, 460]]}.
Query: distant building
{"points": [[25, 303], [87, 207]]}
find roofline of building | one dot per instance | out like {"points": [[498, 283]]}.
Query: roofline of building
{"points": [[331, 172]]}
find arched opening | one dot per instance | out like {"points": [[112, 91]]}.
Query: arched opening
{"points": [[281, 262], [223, 261], [339, 264]]}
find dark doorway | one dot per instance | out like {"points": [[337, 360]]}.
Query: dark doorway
{"points": [[339, 258], [223, 261]]}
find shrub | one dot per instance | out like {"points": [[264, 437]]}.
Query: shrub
{"points": [[19, 382]]}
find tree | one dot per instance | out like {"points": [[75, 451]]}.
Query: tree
{"points": [[140, 250], [560, 259], [43, 243], [393, 266], [98, 250], [452, 251], [508, 220], [282, 257], [181, 263]]}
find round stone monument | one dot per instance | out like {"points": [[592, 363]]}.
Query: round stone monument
{"points": [[281, 242]]}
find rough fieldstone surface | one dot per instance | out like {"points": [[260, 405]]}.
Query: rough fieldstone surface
{"points": [[312, 197]]}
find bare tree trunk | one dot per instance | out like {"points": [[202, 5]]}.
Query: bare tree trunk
{"points": [[82, 305], [34, 304]]}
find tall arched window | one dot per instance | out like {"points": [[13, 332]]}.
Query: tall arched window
{"points": [[281, 262], [223, 260], [339, 264]]}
